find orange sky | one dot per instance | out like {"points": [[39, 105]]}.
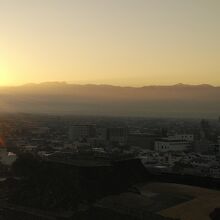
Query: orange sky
{"points": [[121, 42]]}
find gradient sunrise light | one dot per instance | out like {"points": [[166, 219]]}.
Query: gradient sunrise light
{"points": [[120, 42]]}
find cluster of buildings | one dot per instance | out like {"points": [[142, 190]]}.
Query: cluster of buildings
{"points": [[187, 146]]}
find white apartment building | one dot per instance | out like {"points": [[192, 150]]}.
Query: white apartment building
{"points": [[166, 145], [178, 142], [183, 137]]}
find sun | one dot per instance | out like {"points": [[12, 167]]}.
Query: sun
{"points": [[4, 75]]}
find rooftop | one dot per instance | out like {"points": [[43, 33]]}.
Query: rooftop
{"points": [[81, 163], [203, 201]]}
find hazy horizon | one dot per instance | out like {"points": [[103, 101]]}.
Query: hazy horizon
{"points": [[179, 101], [104, 84]]}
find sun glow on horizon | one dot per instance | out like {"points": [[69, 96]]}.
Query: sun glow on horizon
{"points": [[4, 75]]}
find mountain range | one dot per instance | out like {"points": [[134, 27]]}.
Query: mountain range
{"points": [[179, 100]]}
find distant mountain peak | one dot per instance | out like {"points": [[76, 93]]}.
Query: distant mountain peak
{"points": [[181, 85], [187, 85], [206, 85]]}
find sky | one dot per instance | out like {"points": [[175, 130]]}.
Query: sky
{"points": [[119, 42]]}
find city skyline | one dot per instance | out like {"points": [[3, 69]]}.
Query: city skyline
{"points": [[127, 43]]}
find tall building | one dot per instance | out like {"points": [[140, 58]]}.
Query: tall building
{"points": [[143, 140], [205, 130], [219, 144], [82, 131], [117, 134]]}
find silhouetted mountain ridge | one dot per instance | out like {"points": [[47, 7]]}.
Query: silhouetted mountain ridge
{"points": [[179, 100]]}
